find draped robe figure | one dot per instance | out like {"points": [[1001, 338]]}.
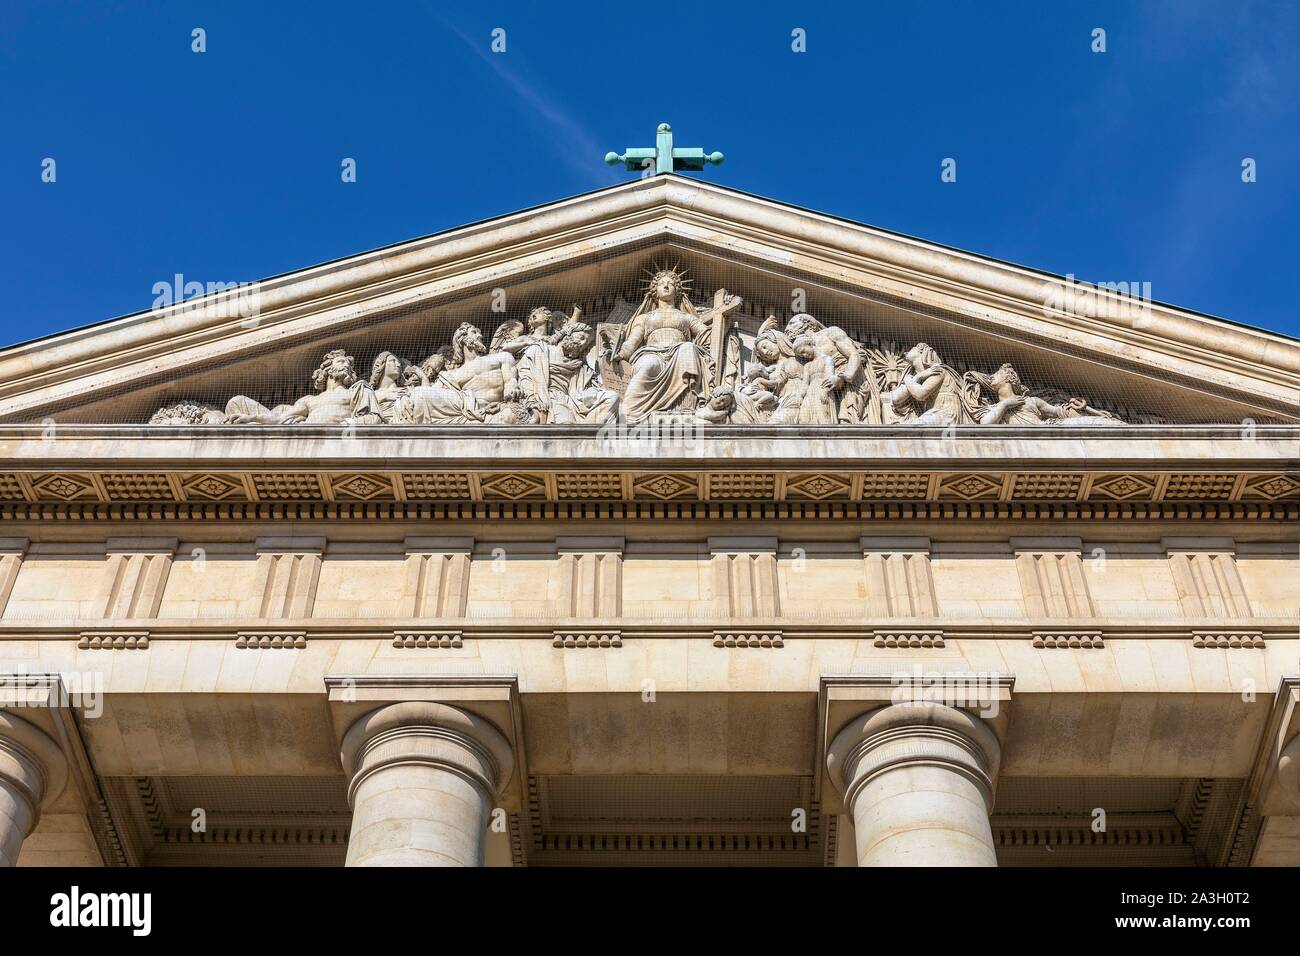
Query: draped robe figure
{"points": [[388, 377], [1015, 406], [666, 342], [819, 379], [562, 383], [783, 376], [756, 398], [930, 393], [476, 386], [856, 399]]}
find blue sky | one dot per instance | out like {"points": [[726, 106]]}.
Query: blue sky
{"points": [[225, 165]]}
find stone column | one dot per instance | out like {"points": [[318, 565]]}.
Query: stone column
{"points": [[33, 772], [917, 778], [423, 780]]}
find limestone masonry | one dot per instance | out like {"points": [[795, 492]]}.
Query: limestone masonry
{"points": [[660, 525]]}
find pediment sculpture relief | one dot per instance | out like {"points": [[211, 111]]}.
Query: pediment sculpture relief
{"points": [[669, 359]]}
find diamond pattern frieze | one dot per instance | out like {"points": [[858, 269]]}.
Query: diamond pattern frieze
{"points": [[143, 487], [1124, 487], [817, 487], [11, 488], [362, 487], [213, 487], [665, 487], [513, 487], [1273, 488], [971, 487], [63, 487]]}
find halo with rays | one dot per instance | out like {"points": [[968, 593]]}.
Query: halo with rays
{"points": [[656, 270]]}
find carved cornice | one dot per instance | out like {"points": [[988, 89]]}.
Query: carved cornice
{"points": [[990, 485], [150, 830]]}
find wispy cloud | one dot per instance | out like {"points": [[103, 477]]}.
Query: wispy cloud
{"points": [[573, 143]]}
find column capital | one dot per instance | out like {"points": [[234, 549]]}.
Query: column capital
{"points": [[437, 735], [492, 699], [913, 733], [31, 764], [424, 778], [847, 699], [917, 777]]}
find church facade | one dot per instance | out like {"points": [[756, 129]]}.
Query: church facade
{"points": [[664, 525]]}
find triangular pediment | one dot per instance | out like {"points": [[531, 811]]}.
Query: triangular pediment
{"points": [[1139, 362]]}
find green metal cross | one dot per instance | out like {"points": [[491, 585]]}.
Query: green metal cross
{"points": [[662, 155]]}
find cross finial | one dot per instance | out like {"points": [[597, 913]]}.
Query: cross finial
{"points": [[663, 157]]}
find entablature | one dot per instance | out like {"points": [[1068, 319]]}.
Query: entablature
{"points": [[1134, 464]]}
